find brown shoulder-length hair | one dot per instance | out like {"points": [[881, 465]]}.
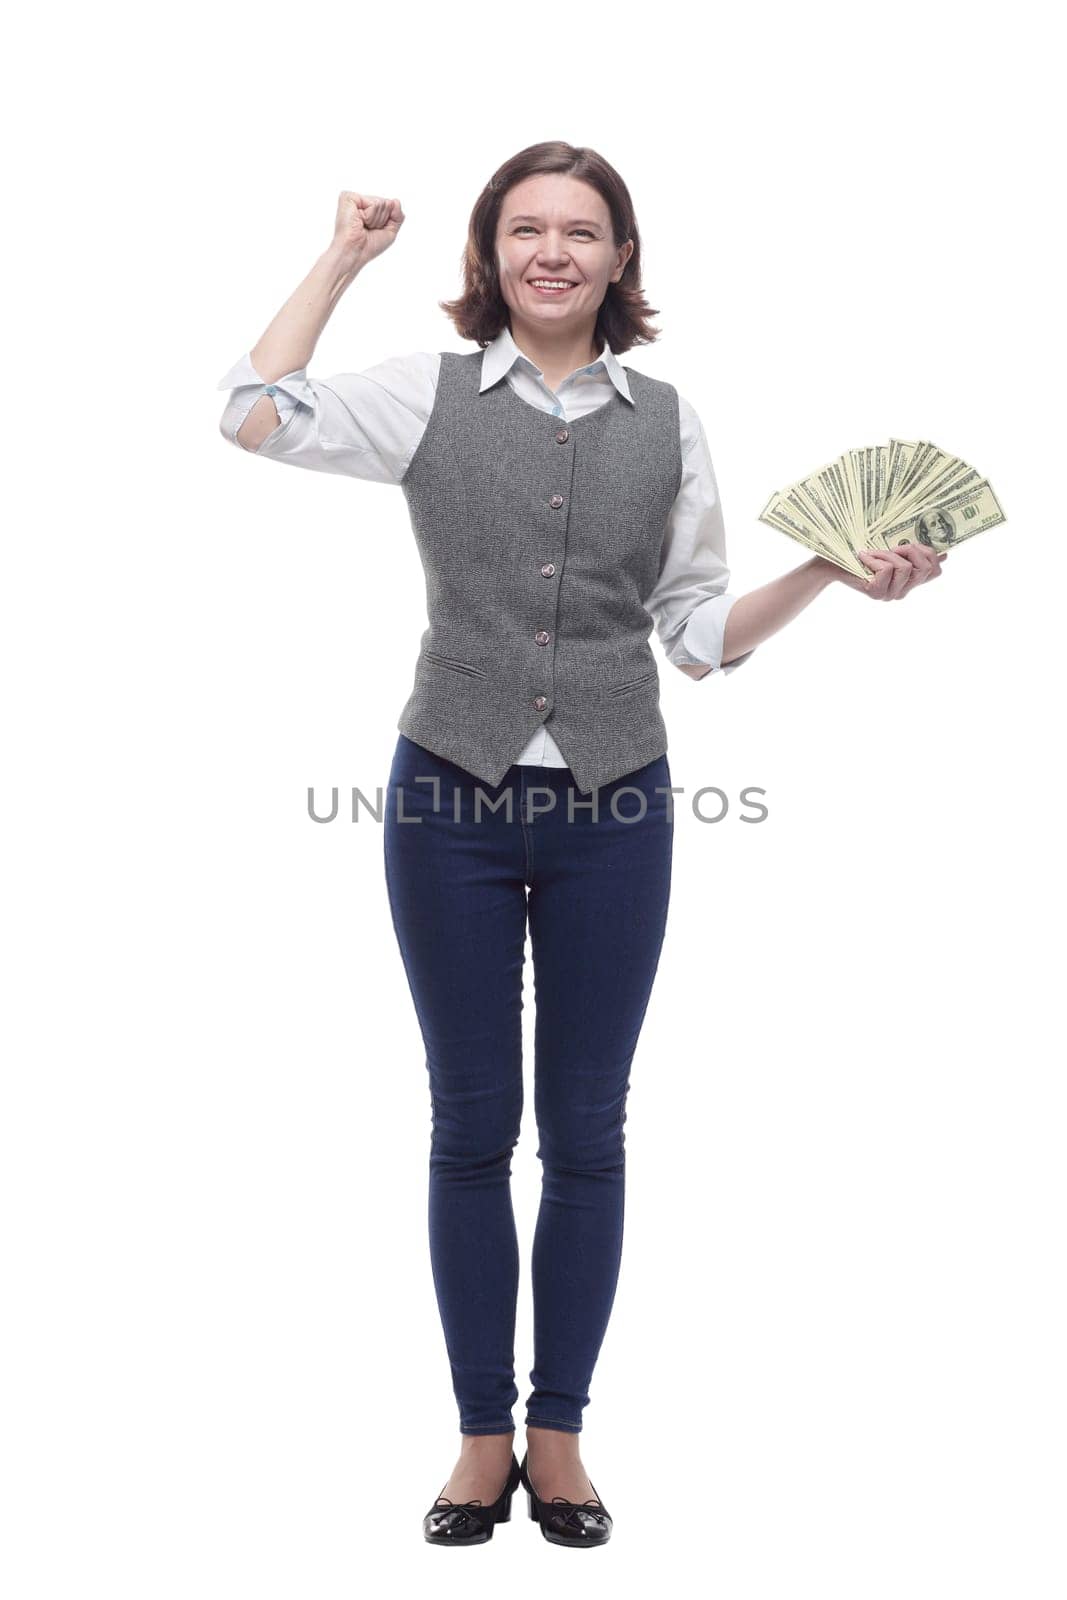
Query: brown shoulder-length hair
{"points": [[481, 312]]}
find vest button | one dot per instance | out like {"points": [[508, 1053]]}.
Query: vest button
{"points": [[540, 702], [547, 570], [556, 500], [541, 636], [562, 436]]}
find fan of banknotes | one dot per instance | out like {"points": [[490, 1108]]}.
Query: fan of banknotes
{"points": [[881, 496]]}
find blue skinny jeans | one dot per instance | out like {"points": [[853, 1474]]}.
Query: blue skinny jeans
{"points": [[463, 885]]}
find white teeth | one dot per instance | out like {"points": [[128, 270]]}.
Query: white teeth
{"points": [[551, 283]]}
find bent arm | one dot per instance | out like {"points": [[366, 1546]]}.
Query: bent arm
{"points": [[691, 601], [289, 341]]}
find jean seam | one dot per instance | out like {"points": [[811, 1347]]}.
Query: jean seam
{"points": [[522, 824]]}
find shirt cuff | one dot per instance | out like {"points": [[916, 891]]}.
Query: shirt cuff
{"points": [[247, 386], [702, 639]]}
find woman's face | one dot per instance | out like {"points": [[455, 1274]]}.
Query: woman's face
{"points": [[556, 227]]}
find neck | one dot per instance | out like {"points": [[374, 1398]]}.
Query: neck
{"points": [[556, 354]]}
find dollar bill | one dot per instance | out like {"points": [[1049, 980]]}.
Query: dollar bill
{"points": [[880, 496]]}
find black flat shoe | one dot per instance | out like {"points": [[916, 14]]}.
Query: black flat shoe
{"points": [[469, 1521], [580, 1525]]}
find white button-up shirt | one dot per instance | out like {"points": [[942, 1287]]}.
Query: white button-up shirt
{"points": [[369, 425]]}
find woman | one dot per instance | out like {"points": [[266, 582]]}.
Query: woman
{"points": [[562, 504]]}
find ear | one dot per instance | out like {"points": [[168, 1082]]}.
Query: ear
{"points": [[626, 251]]}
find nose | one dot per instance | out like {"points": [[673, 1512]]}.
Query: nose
{"points": [[552, 251]]}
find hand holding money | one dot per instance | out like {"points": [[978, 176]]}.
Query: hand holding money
{"points": [[899, 506], [895, 572]]}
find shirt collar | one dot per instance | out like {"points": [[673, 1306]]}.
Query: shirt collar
{"points": [[501, 355]]}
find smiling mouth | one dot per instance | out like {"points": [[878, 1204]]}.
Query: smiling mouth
{"points": [[549, 286]]}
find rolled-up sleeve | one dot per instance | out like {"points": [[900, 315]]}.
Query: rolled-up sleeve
{"points": [[692, 599], [361, 424], [246, 387]]}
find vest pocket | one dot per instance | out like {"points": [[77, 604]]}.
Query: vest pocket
{"points": [[634, 683], [453, 665]]}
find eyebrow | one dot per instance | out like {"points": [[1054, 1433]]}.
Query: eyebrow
{"points": [[572, 224]]}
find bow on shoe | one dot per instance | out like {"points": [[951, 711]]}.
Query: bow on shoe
{"points": [[572, 1512], [455, 1514]]}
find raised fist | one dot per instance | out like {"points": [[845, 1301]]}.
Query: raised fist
{"points": [[366, 224]]}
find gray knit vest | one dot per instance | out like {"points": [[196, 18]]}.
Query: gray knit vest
{"points": [[540, 540]]}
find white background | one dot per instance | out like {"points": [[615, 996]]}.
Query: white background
{"points": [[835, 1366]]}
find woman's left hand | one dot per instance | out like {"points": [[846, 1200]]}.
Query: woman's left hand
{"points": [[896, 572]]}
